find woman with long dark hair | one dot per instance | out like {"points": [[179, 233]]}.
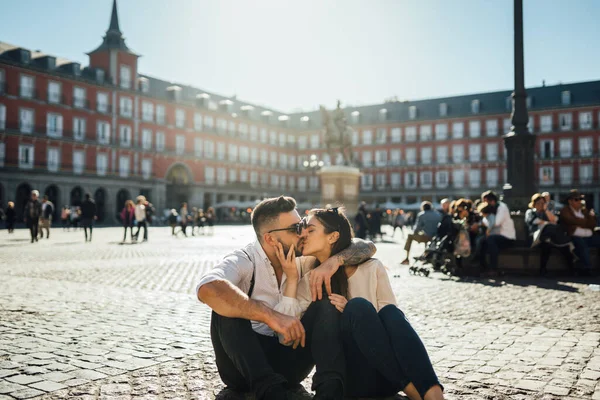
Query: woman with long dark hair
{"points": [[384, 354]]}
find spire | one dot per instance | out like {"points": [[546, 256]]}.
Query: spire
{"points": [[114, 19]]}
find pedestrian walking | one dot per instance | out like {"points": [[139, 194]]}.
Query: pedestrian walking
{"points": [[74, 217], [173, 220], [32, 213], [46, 217], [11, 216], [361, 223], [183, 213], [140, 217], [210, 220], [88, 216], [200, 221], [127, 217], [65, 217]]}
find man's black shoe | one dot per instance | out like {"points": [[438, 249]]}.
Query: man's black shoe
{"points": [[330, 390]]}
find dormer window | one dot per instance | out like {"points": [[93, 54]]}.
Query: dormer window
{"points": [[565, 98], [246, 110], [144, 85], [443, 109], [202, 99], [305, 121], [475, 106], [284, 120], [100, 75], [383, 114], [174, 93], [355, 117], [508, 103], [125, 77], [25, 56], [412, 112], [266, 116], [528, 102], [226, 105]]}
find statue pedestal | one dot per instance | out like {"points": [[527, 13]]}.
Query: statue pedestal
{"points": [[340, 186]]}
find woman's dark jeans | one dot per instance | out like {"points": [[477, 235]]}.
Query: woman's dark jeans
{"points": [[383, 352]]}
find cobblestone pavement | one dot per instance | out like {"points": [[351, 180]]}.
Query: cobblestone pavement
{"points": [[105, 320]]}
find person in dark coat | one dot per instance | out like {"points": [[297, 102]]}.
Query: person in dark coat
{"points": [[127, 218], [10, 217], [32, 213], [361, 223], [46, 217], [88, 215], [375, 222]]}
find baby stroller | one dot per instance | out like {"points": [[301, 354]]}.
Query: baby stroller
{"points": [[442, 252]]}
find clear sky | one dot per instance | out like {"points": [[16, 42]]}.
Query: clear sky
{"points": [[293, 55]]}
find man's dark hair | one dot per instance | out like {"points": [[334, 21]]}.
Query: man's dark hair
{"points": [[268, 211], [426, 206], [489, 195], [87, 196]]}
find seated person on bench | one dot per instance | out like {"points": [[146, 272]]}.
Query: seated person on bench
{"points": [[425, 227], [501, 232]]}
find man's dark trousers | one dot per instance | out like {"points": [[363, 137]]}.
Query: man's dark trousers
{"points": [[248, 361]]}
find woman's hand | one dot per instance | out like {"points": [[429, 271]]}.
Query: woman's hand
{"points": [[338, 301], [288, 262]]}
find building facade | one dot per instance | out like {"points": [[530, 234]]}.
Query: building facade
{"points": [[110, 131]]}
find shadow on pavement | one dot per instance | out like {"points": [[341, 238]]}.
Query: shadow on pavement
{"points": [[551, 283]]}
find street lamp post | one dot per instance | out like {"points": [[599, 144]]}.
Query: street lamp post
{"points": [[313, 163], [519, 142]]}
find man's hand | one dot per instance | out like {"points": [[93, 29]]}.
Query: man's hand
{"points": [[290, 328], [322, 274]]}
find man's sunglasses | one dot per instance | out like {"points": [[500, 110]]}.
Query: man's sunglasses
{"points": [[294, 228]]}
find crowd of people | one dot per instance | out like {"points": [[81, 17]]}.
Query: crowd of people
{"points": [[195, 218]]}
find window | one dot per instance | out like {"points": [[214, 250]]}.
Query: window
{"points": [[441, 179], [144, 85], [253, 133], [585, 120], [264, 157], [586, 146], [124, 166], [274, 181], [180, 118], [395, 180], [367, 137], [302, 183], [273, 159], [546, 176], [410, 180], [160, 114], [125, 135], [441, 154], [458, 153], [475, 152], [232, 153], [146, 168], [586, 173], [147, 111], [244, 176], [355, 117], [26, 156], [209, 149], [282, 139], [491, 177], [25, 120], [179, 144], [263, 135], [160, 141], [441, 131], [426, 155], [475, 105], [78, 162], [125, 75], [458, 178], [546, 123], [103, 132], [411, 156], [302, 142], [506, 125], [491, 127], [474, 178], [283, 163], [102, 102], [146, 139], [197, 122], [54, 92], [231, 128], [381, 135], [273, 138], [2, 153], [2, 115], [410, 133], [426, 133], [314, 141], [209, 175], [126, 107], [381, 181], [366, 181], [566, 174], [79, 97], [313, 182], [566, 121], [396, 135], [474, 128], [491, 151], [426, 179], [565, 147], [381, 158], [79, 128], [458, 130], [443, 109], [221, 176], [546, 149], [198, 148], [53, 159], [565, 98], [54, 124], [395, 157], [367, 158], [412, 112], [232, 176], [101, 163], [26, 89], [254, 156]]}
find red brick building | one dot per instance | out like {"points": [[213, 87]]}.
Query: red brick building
{"points": [[108, 130]]}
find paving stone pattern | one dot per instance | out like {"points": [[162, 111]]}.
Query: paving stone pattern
{"points": [[106, 320]]}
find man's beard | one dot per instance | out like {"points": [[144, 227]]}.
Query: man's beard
{"points": [[297, 248]]}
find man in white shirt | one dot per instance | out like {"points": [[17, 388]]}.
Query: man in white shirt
{"points": [[580, 224], [501, 233], [140, 217], [244, 288]]}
